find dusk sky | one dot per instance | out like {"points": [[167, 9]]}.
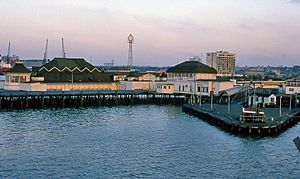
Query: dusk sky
{"points": [[261, 32]]}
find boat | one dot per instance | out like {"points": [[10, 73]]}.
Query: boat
{"points": [[252, 116]]}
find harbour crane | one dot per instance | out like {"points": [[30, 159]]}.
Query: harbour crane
{"points": [[46, 52], [63, 48]]}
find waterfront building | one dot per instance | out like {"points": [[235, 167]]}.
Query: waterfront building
{"points": [[165, 88], [262, 100], [136, 76], [222, 61], [17, 78], [71, 70], [60, 74], [292, 86], [194, 77]]}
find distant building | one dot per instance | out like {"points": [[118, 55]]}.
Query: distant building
{"points": [[222, 61], [33, 63]]}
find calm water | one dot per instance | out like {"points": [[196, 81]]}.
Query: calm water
{"points": [[145, 141]]}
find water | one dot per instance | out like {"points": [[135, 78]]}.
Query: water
{"points": [[145, 141]]}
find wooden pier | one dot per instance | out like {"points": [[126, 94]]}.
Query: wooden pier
{"points": [[20, 100], [233, 125]]}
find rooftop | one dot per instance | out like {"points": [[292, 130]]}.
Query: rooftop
{"points": [[192, 67], [18, 68]]}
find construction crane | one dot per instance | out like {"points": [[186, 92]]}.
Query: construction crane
{"points": [[63, 48], [8, 54], [46, 52]]}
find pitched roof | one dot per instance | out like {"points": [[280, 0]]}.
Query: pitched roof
{"points": [[69, 64], [18, 68], [191, 67]]}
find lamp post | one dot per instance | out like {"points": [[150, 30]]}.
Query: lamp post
{"points": [[296, 100], [280, 105], [290, 106], [211, 99], [200, 102], [228, 104]]}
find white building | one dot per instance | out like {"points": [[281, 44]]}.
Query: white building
{"points": [[194, 77], [165, 88], [262, 99], [292, 86]]}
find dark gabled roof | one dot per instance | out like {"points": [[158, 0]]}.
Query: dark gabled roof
{"points": [[191, 67], [163, 75], [18, 68], [70, 63], [134, 74]]}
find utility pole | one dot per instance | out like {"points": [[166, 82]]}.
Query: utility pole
{"points": [[63, 48]]}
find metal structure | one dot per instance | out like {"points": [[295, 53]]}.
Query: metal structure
{"points": [[63, 48], [46, 51], [8, 50], [130, 57], [236, 95]]}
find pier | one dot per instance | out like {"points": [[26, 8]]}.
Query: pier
{"points": [[20, 100], [219, 117]]}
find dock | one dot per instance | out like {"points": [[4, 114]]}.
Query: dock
{"points": [[229, 121], [20, 100]]}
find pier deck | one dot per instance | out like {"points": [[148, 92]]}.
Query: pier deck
{"points": [[11, 100], [230, 122]]}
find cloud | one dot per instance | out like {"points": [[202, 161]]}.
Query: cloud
{"points": [[294, 1], [245, 26]]}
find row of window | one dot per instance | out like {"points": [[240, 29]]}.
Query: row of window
{"points": [[16, 79], [172, 75], [199, 89]]}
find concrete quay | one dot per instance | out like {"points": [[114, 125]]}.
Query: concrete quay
{"points": [[229, 122]]}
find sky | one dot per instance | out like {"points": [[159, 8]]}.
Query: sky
{"points": [[260, 32]]}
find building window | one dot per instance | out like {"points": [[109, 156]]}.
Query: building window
{"points": [[179, 88], [291, 89], [165, 87], [182, 88]]}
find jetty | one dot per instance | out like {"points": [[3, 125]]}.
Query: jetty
{"points": [[219, 116], [20, 100]]}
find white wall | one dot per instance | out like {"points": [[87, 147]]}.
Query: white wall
{"points": [[292, 90]]}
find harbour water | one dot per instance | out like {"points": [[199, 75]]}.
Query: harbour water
{"points": [[141, 141]]}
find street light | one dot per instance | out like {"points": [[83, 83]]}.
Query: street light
{"points": [[211, 99]]}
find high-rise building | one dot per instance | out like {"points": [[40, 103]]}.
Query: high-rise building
{"points": [[222, 61]]}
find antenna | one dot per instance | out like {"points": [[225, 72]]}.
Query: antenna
{"points": [[46, 51], [63, 48]]}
